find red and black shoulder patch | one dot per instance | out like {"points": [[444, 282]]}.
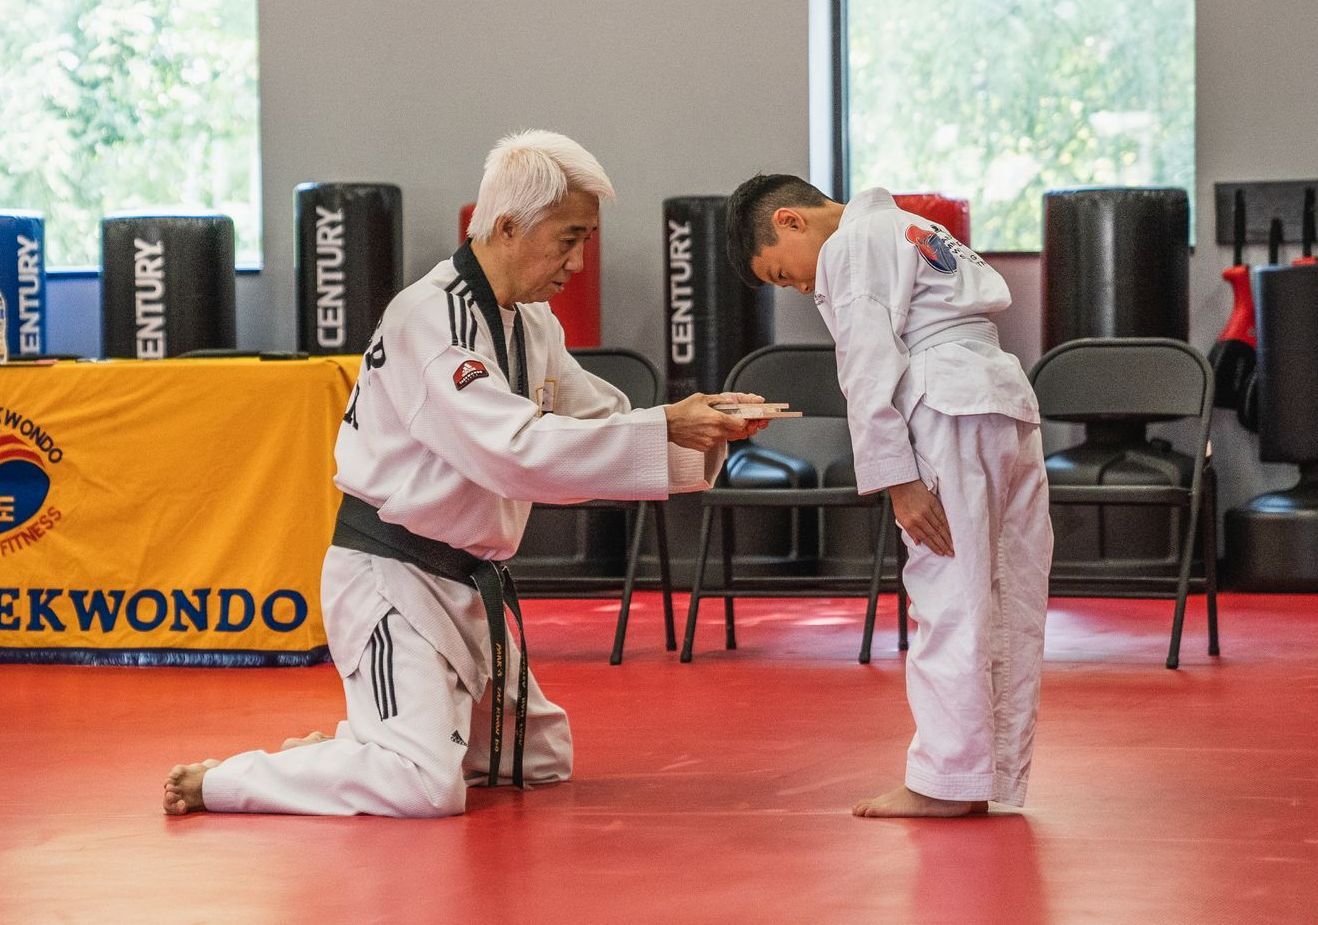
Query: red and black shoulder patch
{"points": [[468, 372]]}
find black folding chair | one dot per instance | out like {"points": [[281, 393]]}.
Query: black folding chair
{"points": [[637, 378], [1096, 380], [805, 376]]}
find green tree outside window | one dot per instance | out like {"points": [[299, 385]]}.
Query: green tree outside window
{"points": [[124, 104], [998, 101]]}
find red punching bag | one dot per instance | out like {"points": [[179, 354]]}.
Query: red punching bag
{"points": [[577, 307], [952, 214]]}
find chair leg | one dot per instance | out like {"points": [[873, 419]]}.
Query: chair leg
{"points": [[729, 615], [628, 585], [1183, 587], [665, 574], [1210, 559], [706, 521], [903, 606], [872, 605]]}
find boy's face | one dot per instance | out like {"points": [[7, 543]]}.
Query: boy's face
{"points": [[791, 260]]}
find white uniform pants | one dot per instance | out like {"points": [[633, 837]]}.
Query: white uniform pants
{"points": [[413, 741], [972, 672]]}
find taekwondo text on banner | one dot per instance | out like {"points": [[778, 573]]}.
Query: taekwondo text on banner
{"points": [[169, 512]]}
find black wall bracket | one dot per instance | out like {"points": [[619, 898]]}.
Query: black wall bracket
{"points": [[1264, 201]]}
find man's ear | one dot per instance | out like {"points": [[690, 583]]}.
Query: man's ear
{"points": [[505, 229], [785, 219]]}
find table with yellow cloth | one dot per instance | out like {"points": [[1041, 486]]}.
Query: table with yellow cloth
{"points": [[169, 511]]}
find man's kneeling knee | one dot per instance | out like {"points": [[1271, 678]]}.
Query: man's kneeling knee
{"points": [[440, 801]]}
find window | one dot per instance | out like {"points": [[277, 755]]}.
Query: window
{"points": [[123, 104], [998, 101]]}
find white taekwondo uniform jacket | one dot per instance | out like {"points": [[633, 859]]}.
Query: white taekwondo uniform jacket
{"points": [[441, 442], [909, 306]]}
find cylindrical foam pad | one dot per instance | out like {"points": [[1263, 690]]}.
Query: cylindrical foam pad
{"points": [[23, 281], [349, 262], [167, 284], [713, 318], [1286, 301], [953, 214], [577, 307], [1115, 264]]}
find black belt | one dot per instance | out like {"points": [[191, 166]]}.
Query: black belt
{"points": [[359, 527]]}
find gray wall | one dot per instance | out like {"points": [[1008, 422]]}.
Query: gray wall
{"points": [[677, 98]]}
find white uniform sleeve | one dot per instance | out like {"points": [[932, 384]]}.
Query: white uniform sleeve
{"points": [[692, 470], [872, 299], [498, 439], [581, 394], [584, 395]]}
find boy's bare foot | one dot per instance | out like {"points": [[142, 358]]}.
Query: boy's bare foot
{"points": [[904, 803], [183, 787], [310, 738]]}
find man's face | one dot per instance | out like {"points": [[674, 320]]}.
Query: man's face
{"points": [[791, 260], [544, 258]]}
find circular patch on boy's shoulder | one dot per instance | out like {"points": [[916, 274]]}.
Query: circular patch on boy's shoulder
{"points": [[932, 248]]}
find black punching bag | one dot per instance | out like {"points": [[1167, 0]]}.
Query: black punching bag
{"points": [[1272, 540], [714, 319], [349, 262], [1286, 305], [167, 284], [1115, 264]]}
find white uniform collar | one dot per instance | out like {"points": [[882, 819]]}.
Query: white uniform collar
{"points": [[863, 203]]}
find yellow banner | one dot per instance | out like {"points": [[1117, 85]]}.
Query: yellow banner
{"points": [[174, 511]]}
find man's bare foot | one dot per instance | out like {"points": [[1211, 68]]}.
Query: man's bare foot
{"points": [[310, 738], [904, 803], [183, 787]]}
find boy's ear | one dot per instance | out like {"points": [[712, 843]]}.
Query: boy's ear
{"points": [[786, 219]]}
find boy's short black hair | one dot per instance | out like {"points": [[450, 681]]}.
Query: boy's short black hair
{"points": [[750, 212]]}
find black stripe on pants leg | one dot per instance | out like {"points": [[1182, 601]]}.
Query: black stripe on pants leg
{"points": [[375, 674], [391, 696], [384, 672]]}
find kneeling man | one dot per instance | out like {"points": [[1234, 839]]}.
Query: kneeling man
{"points": [[467, 409]]}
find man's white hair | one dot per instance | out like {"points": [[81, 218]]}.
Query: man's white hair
{"points": [[527, 174]]}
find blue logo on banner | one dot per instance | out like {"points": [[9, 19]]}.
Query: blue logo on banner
{"points": [[24, 483]]}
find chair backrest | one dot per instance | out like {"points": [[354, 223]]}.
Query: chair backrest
{"points": [[1097, 379], [1123, 379], [625, 370], [803, 375]]}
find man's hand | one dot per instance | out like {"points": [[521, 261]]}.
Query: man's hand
{"points": [[692, 423], [919, 512]]}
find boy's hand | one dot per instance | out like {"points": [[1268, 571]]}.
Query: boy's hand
{"points": [[692, 423], [919, 512]]}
